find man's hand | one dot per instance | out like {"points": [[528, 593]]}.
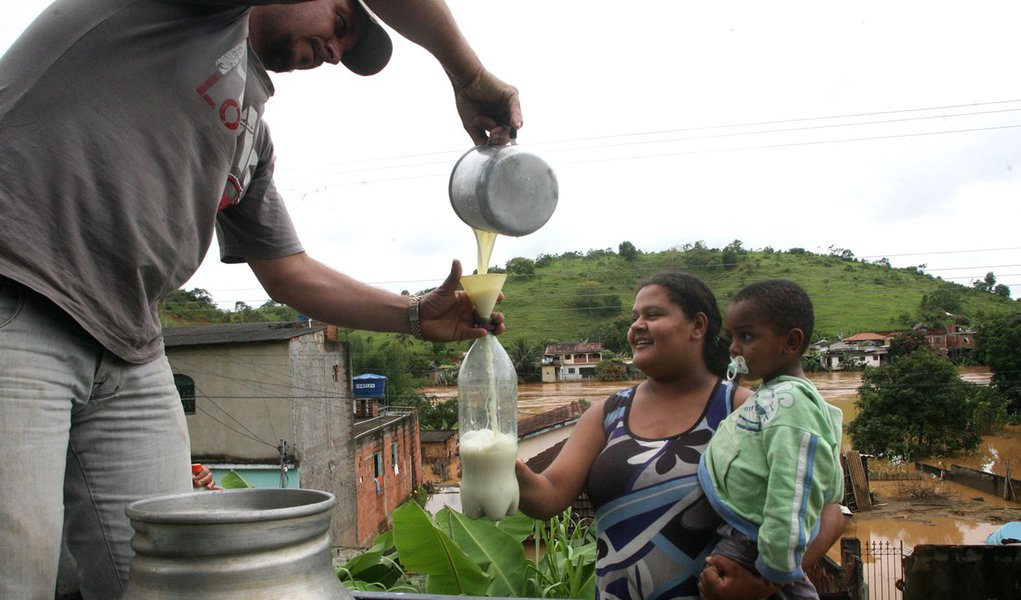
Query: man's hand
{"points": [[449, 315], [487, 104], [725, 579]]}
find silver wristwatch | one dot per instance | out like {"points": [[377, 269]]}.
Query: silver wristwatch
{"points": [[414, 324]]}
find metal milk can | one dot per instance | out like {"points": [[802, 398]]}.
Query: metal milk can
{"points": [[503, 189], [251, 544]]}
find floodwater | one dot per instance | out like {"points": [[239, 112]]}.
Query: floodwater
{"points": [[840, 389]]}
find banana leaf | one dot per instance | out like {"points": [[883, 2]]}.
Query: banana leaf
{"points": [[234, 481], [518, 525], [498, 554], [426, 549], [374, 569]]}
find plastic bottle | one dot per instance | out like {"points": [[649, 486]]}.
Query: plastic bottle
{"points": [[487, 387]]}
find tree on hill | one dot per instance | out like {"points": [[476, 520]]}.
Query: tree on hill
{"points": [[998, 345], [392, 357], [521, 266], [191, 306], [276, 312], [916, 406], [732, 254], [905, 343], [613, 335], [988, 284], [592, 297], [939, 306], [433, 414], [842, 253], [698, 257], [627, 251], [269, 312], [544, 260]]}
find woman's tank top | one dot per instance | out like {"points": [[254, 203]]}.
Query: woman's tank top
{"points": [[654, 527]]}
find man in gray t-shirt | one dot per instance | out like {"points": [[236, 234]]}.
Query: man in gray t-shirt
{"points": [[130, 131]]}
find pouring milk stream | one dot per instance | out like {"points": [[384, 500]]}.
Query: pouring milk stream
{"points": [[494, 189]]}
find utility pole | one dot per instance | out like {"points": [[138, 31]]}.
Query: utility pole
{"points": [[282, 449]]}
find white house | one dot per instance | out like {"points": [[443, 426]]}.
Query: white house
{"points": [[570, 362]]}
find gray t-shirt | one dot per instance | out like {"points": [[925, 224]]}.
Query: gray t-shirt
{"points": [[128, 128]]}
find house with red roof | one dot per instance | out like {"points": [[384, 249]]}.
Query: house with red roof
{"points": [[571, 361]]}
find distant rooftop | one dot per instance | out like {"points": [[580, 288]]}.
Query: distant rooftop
{"points": [[441, 435], [236, 333], [550, 419], [866, 336], [554, 349]]}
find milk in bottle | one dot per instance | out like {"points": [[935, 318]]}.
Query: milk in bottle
{"points": [[487, 404]]}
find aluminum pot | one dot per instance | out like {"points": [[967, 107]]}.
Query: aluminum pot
{"points": [[250, 544], [503, 189]]}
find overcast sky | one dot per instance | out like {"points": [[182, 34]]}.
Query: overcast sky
{"points": [[891, 129]]}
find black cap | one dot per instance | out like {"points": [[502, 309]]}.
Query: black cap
{"points": [[373, 50]]}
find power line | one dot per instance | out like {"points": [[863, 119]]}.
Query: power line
{"points": [[433, 158]]}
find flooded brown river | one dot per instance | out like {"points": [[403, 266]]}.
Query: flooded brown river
{"points": [[840, 389]]}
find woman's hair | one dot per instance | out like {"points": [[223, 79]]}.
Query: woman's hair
{"points": [[689, 292]]}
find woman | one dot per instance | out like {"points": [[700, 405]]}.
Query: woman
{"points": [[636, 454]]}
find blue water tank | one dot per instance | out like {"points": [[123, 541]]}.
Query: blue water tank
{"points": [[369, 385]]}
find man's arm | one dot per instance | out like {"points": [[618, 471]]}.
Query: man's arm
{"points": [[484, 102], [333, 297]]}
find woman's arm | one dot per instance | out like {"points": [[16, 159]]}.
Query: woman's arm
{"points": [[831, 527], [724, 579], [543, 495]]}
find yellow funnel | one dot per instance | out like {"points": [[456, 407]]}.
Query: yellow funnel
{"points": [[484, 290]]}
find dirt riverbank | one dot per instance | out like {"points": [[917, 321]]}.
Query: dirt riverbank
{"points": [[926, 509]]}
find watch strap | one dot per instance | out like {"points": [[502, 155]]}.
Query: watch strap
{"points": [[414, 322]]}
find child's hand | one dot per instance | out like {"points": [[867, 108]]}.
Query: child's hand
{"points": [[724, 579]]}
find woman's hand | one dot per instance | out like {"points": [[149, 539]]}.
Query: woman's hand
{"points": [[202, 478]]}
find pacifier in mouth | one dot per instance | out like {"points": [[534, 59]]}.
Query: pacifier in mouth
{"points": [[736, 367]]}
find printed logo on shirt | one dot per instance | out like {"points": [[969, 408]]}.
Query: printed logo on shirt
{"points": [[233, 64], [760, 409], [224, 92], [246, 159]]}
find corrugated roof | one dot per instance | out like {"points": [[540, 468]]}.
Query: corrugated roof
{"points": [[556, 349], [436, 435], [382, 422], [865, 337], [236, 333], [560, 415]]}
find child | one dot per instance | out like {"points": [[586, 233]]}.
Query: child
{"points": [[774, 462]]}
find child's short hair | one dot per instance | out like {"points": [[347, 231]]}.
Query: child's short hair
{"points": [[783, 303]]}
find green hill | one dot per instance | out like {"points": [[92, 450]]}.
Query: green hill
{"points": [[565, 298], [575, 296]]}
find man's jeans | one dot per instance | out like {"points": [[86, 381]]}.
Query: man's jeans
{"points": [[82, 435]]}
